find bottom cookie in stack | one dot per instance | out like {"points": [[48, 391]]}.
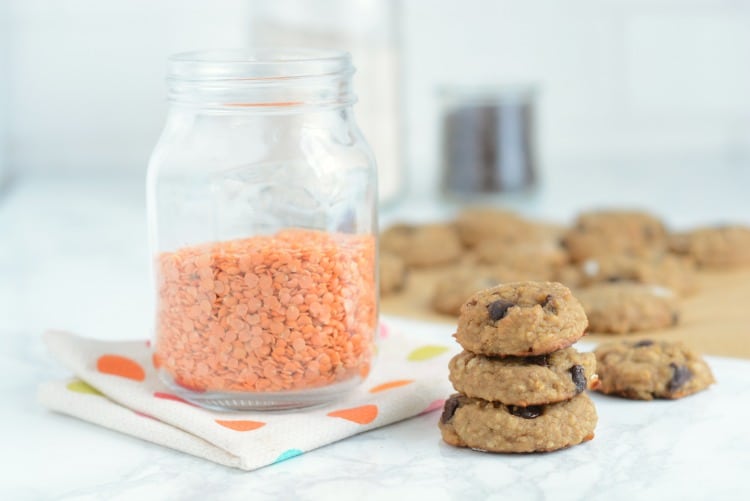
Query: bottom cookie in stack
{"points": [[496, 427]]}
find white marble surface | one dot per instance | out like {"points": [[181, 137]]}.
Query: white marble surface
{"points": [[73, 256], [695, 448]]}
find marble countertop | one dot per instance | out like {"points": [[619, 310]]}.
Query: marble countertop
{"points": [[73, 256]]}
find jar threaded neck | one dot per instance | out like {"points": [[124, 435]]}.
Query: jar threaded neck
{"points": [[261, 79]]}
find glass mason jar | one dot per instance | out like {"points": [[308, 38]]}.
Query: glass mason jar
{"points": [[262, 206]]}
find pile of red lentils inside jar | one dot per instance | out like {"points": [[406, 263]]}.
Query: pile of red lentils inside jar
{"points": [[292, 311]]}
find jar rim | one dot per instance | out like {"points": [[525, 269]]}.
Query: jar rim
{"points": [[260, 63]]}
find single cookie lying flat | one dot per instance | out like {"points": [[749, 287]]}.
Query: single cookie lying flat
{"points": [[674, 272], [524, 381], [495, 427], [646, 369], [622, 307], [393, 273], [423, 245], [720, 247], [540, 260], [607, 232], [476, 224], [521, 319]]}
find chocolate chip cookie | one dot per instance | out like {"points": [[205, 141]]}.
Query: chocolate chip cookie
{"points": [[619, 308], [524, 381], [496, 427], [720, 247], [521, 319], [396, 238], [647, 369], [610, 232], [674, 272], [477, 224], [539, 260], [423, 245]]}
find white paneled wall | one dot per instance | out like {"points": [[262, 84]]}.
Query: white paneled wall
{"points": [[617, 78], [634, 79]]}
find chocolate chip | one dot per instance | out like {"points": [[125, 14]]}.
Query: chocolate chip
{"points": [[548, 305], [680, 375], [449, 409], [498, 309], [615, 279], [675, 318], [542, 360], [579, 377], [530, 412], [642, 343]]}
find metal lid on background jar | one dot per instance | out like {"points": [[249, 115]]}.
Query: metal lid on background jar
{"points": [[488, 136]]}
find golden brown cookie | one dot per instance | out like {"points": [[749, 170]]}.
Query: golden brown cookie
{"points": [[423, 245], [570, 275], [540, 260], [719, 247], [646, 369], [477, 224], [610, 232], [674, 272], [524, 381], [619, 308], [393, 273], [495, 427], [521, 319]]}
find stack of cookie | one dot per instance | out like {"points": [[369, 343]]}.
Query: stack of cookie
{"points": [[521, 386]]}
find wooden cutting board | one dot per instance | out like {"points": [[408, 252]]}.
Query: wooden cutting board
{"points": [[715, 320]]}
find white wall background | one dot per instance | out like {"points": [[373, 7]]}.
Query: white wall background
{"points": [[87, 90], [635, 79]]}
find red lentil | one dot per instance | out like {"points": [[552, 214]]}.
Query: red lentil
{"points": [[291, 311]]}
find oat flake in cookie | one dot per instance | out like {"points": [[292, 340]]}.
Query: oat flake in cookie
{"points": [[524, 381], [646, 369], [521, 319], [496, 427]]}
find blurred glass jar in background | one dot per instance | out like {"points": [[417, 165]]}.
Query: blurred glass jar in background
{"points": [[368, 29], [488, 141], [262, 205]]}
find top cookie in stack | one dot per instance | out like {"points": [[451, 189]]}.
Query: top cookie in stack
{"points": [[521, 319]]}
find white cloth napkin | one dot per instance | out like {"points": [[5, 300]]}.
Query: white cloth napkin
{"points": [[116, 386]]}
